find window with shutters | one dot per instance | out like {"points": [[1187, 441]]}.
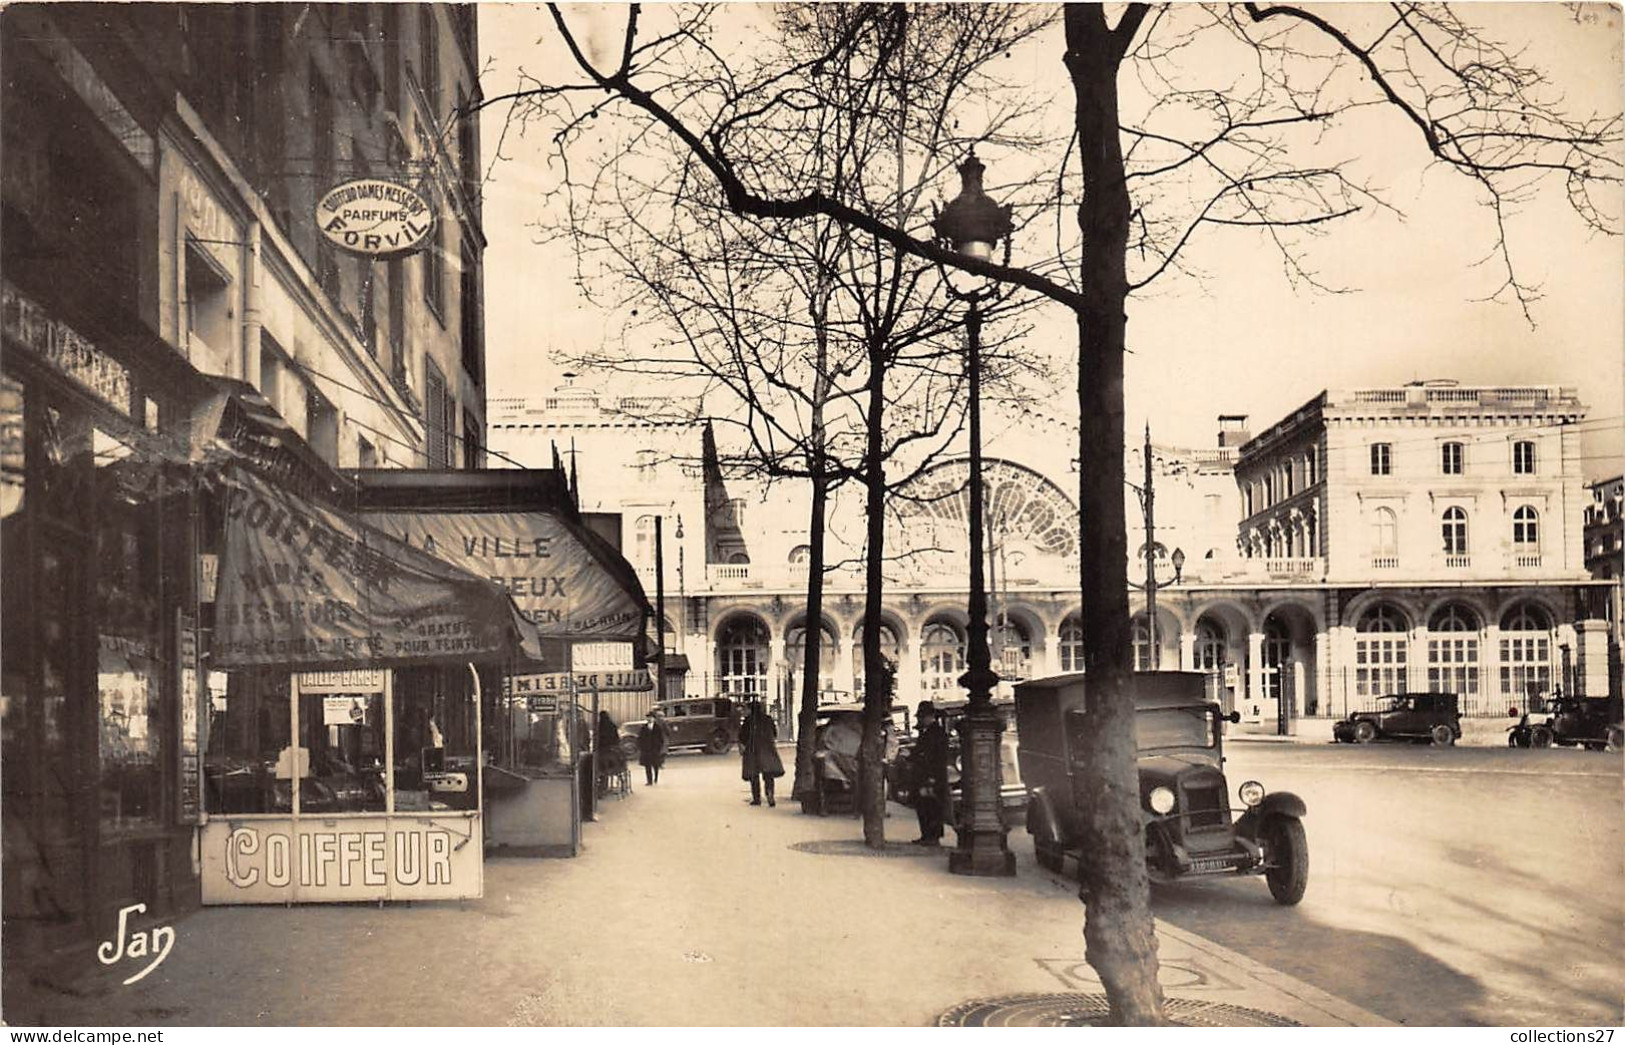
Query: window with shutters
{"points": [[436, 405]]}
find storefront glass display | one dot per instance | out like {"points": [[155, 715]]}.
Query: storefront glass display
{"points": [[434, 740], [248, 732]]}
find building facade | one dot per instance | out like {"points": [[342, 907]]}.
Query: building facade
{"points": [[1605, 561], [1307, 584], [161, 169]]}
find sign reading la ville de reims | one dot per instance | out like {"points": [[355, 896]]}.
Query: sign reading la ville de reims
{"points": [[374, 217]]}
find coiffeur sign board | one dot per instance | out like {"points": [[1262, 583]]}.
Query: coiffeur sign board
{"points": [[548, 571], [253, 859], [308, 587]]}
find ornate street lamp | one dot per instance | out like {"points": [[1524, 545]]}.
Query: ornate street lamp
{"points": [[1179, 564], [972, 224]]}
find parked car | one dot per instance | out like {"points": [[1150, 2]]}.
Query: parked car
{"points": [[900, 775], [835, 756], [1590, 722], [711, 723], [1184, 804], [1404, 716]]}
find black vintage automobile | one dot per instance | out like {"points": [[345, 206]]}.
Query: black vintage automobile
{"points": [[1184, 801], [1590, 722], [1434, 717], [704, 722]]}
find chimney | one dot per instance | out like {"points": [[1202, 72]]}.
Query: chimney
{"points": [[1233, 430]]}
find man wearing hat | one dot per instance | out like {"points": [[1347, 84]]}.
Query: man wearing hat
{"points": [[930, 759]]}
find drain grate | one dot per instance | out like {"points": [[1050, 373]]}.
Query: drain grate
{"points": [[1092, 1010], [855, 847]]}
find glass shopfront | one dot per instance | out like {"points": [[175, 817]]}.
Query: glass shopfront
{"points": [[378, 799], [95, 587]]}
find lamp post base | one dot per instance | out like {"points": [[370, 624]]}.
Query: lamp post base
{"points": [[982, 849]]}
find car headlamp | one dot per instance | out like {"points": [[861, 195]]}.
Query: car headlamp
{"points": [[1251, 792], [1161, 800]]}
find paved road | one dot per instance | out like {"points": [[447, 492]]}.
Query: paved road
{"points": [[1455, 886]]}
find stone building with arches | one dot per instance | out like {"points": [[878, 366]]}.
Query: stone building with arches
{"points": [[1272, 553]]}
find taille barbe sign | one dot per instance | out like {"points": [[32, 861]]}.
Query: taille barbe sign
{"points": [[374, 217]]}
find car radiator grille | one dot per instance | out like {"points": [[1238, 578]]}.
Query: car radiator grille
{"points": [[1205, 806]]}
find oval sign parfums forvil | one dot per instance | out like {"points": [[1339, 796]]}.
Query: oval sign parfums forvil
{"points": [[374, 217]]}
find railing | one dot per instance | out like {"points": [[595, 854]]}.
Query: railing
{"points": [[1525, 560], [1458, 562], [1379, 395], [1292, 567], [1385, 562]]}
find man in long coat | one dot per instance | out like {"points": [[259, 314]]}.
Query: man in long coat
{"points": [[930, 759], [652, 748], [759, 754]]}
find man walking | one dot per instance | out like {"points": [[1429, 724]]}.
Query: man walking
{"points": [[930, 760]]}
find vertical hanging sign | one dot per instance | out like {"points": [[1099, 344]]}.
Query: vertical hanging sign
{"points": [[190, 804]]}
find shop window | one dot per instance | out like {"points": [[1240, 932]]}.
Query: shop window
{"points": [[208, 311], [434, 748]]}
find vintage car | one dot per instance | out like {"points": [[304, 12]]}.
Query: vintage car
{"points": [[837, 734], [711, 723], [1590, 722], [1184, 804], [900, 773], [1404, 716]]}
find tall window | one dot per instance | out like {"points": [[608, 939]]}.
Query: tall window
{"points": [[1382, 459], [434, 269], [1523, 457], [1142, 645], [1453, 652], [1455, 531], [942, 659], [742, 657], [395, 275], [468, 313], [1450, 458], [1384, 532], [643, 542], [1526, 529], [1381, 646], [1210, 647], [429, 48], [1526, 653], [322, 164], [1277, 658], [1071, 645], [436, 414], [473, 447], [889, 646]]}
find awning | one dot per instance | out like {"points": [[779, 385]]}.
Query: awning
{"points": [[307, 586], [514, 527]]}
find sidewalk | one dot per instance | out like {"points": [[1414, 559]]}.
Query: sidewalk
{"points": [[1478, 731], [688, 907]]}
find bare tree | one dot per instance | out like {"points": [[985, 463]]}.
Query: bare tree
{"points": [[1167, 152]]}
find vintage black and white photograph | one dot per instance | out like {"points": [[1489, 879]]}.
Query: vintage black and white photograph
{"points": [[784, 515]]}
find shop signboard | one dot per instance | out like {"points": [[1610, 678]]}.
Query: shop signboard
{"points": [[374, 217], [191, 777], [305, 585], [273, 860], [359, 680], [629, 680], [553, 577], [63, 349]]}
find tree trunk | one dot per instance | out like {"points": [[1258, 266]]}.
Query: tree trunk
{"points": [[877, 694], [1118, 930], [807, 720]]}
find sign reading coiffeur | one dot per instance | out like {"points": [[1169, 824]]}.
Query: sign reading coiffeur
{"points": [[374, 217]]}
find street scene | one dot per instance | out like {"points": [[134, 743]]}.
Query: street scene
{"points": [[802, 515]]}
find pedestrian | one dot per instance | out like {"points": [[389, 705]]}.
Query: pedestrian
{"points": [[930, 762], [759, 755], [652, 748]]}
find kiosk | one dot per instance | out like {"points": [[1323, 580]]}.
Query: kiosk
{"points": [[344, 742]]}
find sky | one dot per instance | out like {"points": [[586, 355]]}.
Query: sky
{"points": [[1242, 340]]}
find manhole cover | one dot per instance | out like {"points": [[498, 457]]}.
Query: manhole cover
{"points": [[855, 847], [1092, 1010]]}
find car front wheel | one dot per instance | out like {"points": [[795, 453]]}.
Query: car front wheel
{"points": [[1364, 732], [1616, 738], [1286, 848], [718, 744], [629, 748], [1540, 736], [1442, 735]]}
